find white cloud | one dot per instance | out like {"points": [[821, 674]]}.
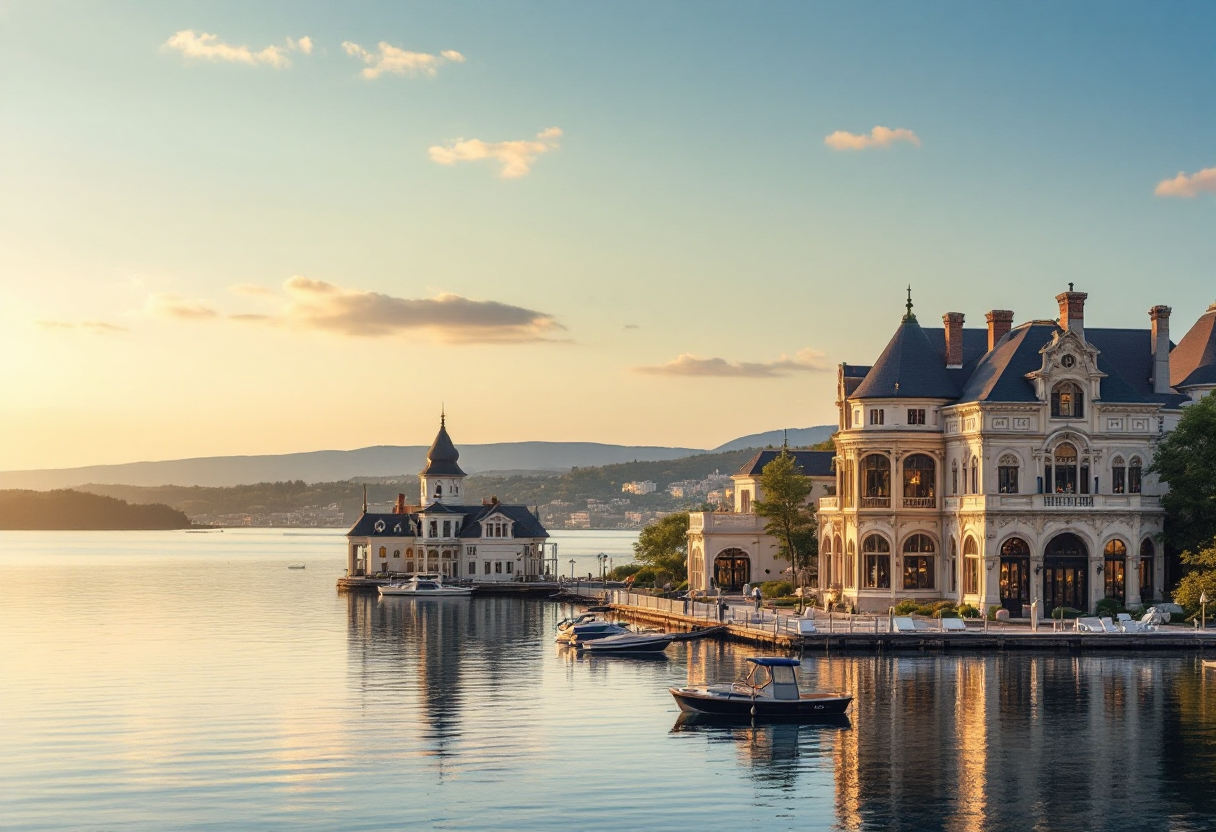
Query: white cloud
{"points": [[878, 137], [1188, 185], [804, 361], [318, 305], [516, 157], [251, 290], [91, 327], [176, 306], [398, 61], [208, 46]]}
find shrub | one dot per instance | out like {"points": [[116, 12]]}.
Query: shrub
{"points": [[943, 609], [1060, 613], [907, 607], [967, 611], [1109, 607], [620, 573], [644, 576], [776, 589]]}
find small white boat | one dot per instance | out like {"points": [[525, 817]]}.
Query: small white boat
{"points": [[629, 643], [586, 628], [422, 586]]}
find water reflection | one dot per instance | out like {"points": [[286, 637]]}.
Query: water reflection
{"points": [[773, 751]]}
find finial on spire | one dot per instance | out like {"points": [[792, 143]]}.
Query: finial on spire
{"points": [[909, 316], [443, 416], [365, 498], [785, 439]]}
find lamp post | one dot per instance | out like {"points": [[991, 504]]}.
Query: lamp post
{"points": [[572, 569], [1203, 615], [603, 559]]}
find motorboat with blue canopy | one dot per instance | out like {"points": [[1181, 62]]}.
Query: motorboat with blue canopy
{"points": [[770, 689]]}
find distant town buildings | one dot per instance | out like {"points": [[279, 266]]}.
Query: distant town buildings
{"points": [[642, 487]]}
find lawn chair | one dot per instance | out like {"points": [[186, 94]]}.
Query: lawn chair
{"points": [[954, 625], [1090, 625], [904, 624], [1108, 625], [921, 625]]}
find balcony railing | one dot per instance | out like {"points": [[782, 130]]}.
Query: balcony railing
{"points": [[1068, 501], [920, 502], [827, 502], [875, 502]]}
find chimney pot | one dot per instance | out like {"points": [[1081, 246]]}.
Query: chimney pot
{"points": [[953, 322], [1072, 311], [1000, 321]]}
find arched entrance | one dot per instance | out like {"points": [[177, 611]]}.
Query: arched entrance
{"points": [[732, 569], [1064, 573], [1015, 575]]}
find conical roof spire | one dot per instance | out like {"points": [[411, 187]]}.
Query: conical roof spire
{"points": [[910, 367], [441, 458]]}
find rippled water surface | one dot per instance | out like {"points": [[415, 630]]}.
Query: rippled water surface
{"points": [[190, 681]]}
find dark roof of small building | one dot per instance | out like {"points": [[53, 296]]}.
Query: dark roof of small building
{"points": [[441, 458], [811, 463], [911, 367], [524, 522], [1193, 361]]}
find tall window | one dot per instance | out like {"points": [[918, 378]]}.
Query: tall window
{"points": [[953, 565], [919, 475], [1118, 475], [1146, 570], [434, 528], [447, 528], [1007, 474], [975, 475], [848, 484], [745, 501], [876, 561], [1066, 401], [1113, 569], [964, 476], [876, 415], [1134, 473], [1071, 473], [876, 469], [850, 565], [918, 562], [954, 477], [916, 415], [971, 567]]}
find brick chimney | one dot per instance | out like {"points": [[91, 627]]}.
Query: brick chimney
{"points": [[1072, 311], [1160, 347], [399, 508], [1000, 321], [953, 322]]}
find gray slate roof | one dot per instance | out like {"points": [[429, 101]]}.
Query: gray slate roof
{"points": [[811, 463], [910, 367], [441, 458], [524, 523]]}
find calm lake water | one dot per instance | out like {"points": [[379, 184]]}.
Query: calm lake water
{"points": [[190, 681]]}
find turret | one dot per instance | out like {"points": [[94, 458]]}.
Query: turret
{"points": [[441, 481]]}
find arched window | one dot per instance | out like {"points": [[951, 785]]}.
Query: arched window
{"points": [[971, 566], [919, 474], [1071, 473], [1118, 475], [919, 562], [1007, 474], [826, 548], [1113, 569], [964, 476], [975, 475], [953, 565], [850, 566], [1067, 401], [732, 569], [1134, 475], [876, 561], [954, 477], [876, 469], [438, 489], [1147, 552]]}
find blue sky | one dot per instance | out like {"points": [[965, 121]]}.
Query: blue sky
{"points": [[689, 207]]}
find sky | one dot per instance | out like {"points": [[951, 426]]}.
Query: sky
{"points": [[245, 228]]}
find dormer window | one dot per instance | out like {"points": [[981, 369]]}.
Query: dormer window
{"points": [[1067, 401], [438, 489]]}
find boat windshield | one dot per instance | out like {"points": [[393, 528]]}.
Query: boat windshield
{"points": [[783, 675], [426, 585]]}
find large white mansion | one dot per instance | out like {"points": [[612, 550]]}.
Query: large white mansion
{"points": [[444, 536], [996, 466]]}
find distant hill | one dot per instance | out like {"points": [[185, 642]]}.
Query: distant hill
{"points": [[77, 510], [798, 438], [391, 461]]}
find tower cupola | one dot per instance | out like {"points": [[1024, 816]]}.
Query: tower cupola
{"points": [[442, 478]]}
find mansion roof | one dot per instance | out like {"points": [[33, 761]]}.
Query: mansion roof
{"points": [[1193, 361], [523, 523], [913, 366], [810, 463]]}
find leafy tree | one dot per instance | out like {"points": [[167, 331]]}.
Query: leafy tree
{"points": [[1186, 459], [663, 545], [1200, 577], [790, 518]]}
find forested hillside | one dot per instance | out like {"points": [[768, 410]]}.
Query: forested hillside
{"points": [[78, 510]]}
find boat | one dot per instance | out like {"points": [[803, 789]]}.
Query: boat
{"points": [[424, 586], [629, 642], [295, 566], [769, 690], [584, 628]]}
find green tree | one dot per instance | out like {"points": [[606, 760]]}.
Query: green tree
{"points": [[663, 546], [791, 519], [1186, 459], [1200, 577]]}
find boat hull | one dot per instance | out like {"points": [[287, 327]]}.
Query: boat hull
{"points": [[710, 703], [632, 645], [446, 592]]}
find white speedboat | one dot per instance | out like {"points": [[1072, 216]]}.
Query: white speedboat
{"points": [[629, 643], [586, 628], [420, 586]]}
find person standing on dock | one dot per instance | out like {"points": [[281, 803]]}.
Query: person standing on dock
{"points": [[721, 606], [757, 597]]}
